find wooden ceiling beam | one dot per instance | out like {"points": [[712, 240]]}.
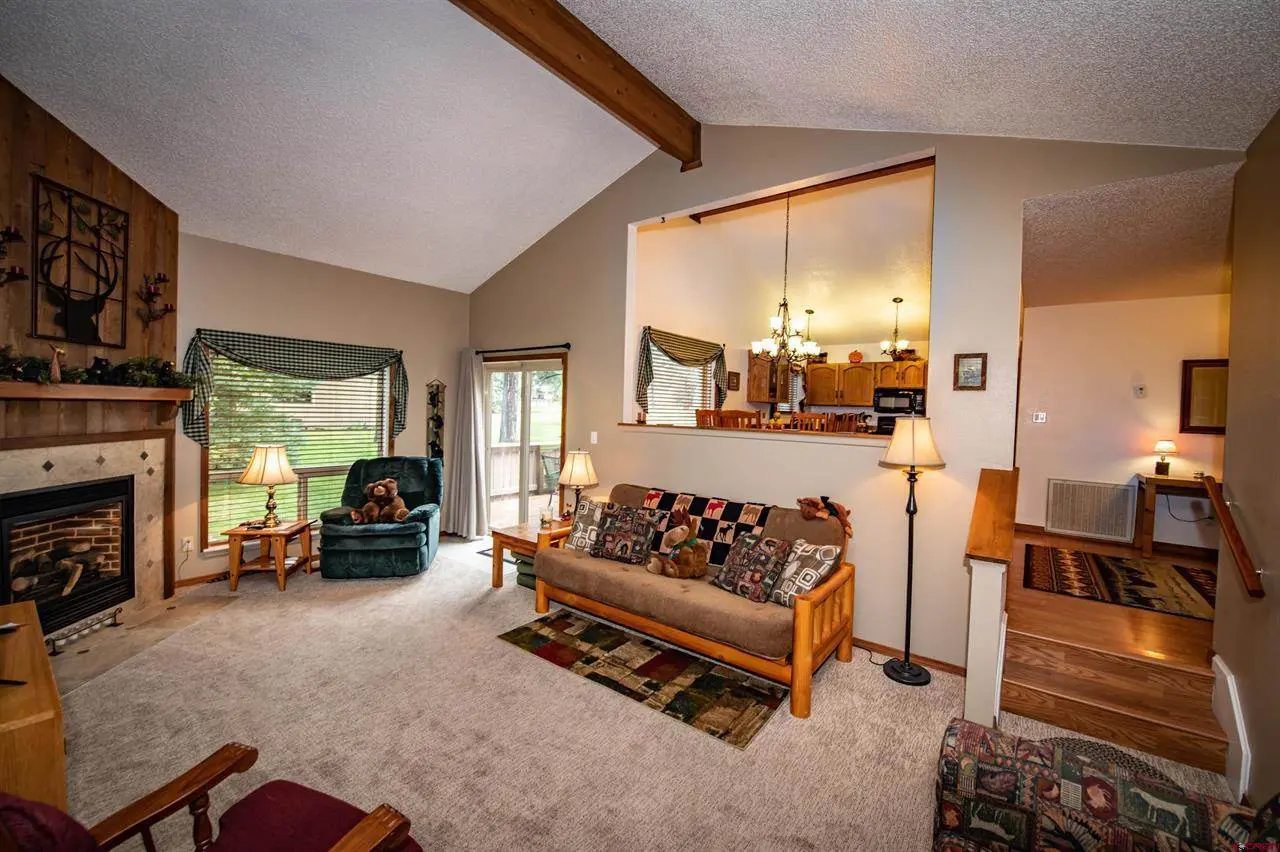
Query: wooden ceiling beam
{"points": [[551, 35]]}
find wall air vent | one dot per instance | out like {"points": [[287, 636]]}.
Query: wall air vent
{"points": [[1091, 509]]}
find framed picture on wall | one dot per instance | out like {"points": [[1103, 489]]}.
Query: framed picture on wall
{"points": [[971, 372], [735, 380]]}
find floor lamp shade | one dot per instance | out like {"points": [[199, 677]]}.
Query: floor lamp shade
{"points": [[578, 473], [911, 449], [269, 466], [912, 445]]}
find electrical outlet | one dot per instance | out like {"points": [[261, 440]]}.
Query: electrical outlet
{"points": [[188, 544], [595, 437], [1139, 391], [1039, 416]]}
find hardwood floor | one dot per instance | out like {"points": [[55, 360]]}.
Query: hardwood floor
{"points": [[1132, 676]]}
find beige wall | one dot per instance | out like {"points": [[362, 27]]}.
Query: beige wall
{"points": [[572, 285], [227, 286], [1247, 632], [1080, 364]]}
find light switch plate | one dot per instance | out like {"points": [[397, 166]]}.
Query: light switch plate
{"points": [[595, 437], [1039, 416]]}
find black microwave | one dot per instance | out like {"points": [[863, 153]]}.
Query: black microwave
{"points": [[897, 401]]}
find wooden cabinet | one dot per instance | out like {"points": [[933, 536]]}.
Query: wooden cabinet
{"points": [[822, 384], [901, 374], [857, 385], [886, 374], [763, 385], [839, 384], [912, 374], [32, 756]]}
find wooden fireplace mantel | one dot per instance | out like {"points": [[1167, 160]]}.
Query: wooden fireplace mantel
{"points": [[166, 398]]}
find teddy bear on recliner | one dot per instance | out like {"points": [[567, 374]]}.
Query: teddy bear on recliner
{"points": [[384, 504]]}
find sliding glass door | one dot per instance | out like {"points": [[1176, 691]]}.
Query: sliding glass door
{"points": [[524, 437]]}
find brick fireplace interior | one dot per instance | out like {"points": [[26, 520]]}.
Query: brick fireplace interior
{"points": [[68, 548]]}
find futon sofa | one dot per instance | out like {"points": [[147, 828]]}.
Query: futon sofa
{"points": [[785, 645], [1000, 793], [360, 551]]}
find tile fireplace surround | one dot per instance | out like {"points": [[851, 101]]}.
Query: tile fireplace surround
{"points": [[144, 459]]}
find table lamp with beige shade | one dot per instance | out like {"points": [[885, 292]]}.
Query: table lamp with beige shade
{"points": [[911, 449], [1164, 448], [578, 473], [270, 467]]}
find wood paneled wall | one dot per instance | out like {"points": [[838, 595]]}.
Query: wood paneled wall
{"points": [[33, 141]]}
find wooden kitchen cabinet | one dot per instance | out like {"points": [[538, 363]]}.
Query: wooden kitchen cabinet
{"points": [[822, 384], [886, 374], [901, 374], [762, 381], [857, 385], [840, 384], [912, 374]]}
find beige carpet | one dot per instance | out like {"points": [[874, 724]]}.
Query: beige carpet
{"points": [[400, 691]]}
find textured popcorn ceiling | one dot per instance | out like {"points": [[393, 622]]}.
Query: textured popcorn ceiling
{"points": [[401, 138], [1139, 239], [1169, 72]]}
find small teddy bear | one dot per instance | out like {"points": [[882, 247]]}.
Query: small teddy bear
{"points": [[384, 504], [682, 555], [823, 508]]}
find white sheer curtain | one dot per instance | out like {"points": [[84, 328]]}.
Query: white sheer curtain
{"points": [[466, 500]]}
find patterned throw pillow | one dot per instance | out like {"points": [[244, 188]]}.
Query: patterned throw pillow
{"points": [[806, 566], [626, 534], [586, 526], [752, 566]]}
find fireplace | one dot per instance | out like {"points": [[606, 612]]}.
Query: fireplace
{"points": [[68, 548]]}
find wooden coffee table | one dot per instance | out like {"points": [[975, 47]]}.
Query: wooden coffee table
{"points": [[273, 541], [523, 539]]}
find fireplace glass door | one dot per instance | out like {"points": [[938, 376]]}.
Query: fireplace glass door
{"points": [[69, 549]]}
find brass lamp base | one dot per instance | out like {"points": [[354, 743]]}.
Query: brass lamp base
{"points": [[271, 519]]}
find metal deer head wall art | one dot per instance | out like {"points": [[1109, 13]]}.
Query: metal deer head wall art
{"points": [[80, 260]]}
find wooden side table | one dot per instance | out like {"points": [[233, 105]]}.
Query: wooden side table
{"points": [[1150, 486], [274, 542], [523, 539]]}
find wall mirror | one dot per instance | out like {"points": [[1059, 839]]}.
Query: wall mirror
{"points": [[1204, 396]]}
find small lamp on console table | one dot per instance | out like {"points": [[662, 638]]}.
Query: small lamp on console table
{"points": [[1164, 448], [270, 467], [911, 450], [578, 473]]}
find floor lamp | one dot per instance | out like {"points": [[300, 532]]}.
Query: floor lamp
{"points": [[911, 450]]}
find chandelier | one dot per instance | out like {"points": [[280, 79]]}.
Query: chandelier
{"points": [[784, 340], [894, 347]]}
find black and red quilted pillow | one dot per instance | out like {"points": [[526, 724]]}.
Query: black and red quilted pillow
{"points": [[720, 522]]}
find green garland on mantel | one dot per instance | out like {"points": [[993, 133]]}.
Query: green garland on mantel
{"points": [[135, 373]]}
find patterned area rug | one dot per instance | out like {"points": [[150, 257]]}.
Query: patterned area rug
{"points": [[727, 704], [1139, 583]]}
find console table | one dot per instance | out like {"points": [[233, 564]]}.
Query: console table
{"points": [[32, 755], [1150, 486]]}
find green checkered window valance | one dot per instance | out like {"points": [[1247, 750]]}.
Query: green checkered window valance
{"points": [[685, 352], [303, 359]]}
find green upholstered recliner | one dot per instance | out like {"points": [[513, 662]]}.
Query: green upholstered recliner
{"points": [[358, 551]]}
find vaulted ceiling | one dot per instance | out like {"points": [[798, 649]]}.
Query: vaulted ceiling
{"points": [[1150, 238], [400, 138], [405, 139]]}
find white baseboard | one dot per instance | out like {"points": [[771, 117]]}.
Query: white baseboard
{"points": [[1226, 707]]}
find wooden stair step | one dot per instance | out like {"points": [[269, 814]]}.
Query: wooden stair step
{"points": [[1143, 686], [1150, 733]]}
